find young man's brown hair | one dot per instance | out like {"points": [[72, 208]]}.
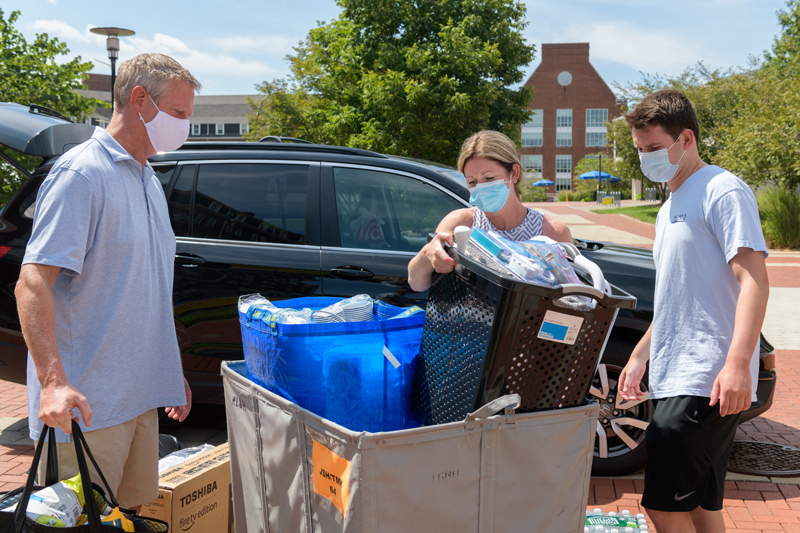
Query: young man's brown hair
{"points": [[667, 108]]}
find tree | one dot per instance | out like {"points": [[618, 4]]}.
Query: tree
{"points": [[285, 111], [749, 118], [784, 56], [763, 144], [410, 77], [30, 74], [718, 96]]}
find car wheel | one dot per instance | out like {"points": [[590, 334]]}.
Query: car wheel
{"points": [[619, 446]]}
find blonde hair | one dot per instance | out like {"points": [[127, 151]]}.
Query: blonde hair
{"points": [[488, 144], [151, 71]]}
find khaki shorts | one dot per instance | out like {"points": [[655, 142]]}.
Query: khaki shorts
{"points": [[126, 453]]}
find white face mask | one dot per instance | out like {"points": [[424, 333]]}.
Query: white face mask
{"points": [[166, 132], [656, 165]]}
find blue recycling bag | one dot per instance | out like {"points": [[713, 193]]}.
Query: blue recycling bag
{"points": [[356, 374]]}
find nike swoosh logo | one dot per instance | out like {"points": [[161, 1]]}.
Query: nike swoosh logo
{"points": [[679, 498]]}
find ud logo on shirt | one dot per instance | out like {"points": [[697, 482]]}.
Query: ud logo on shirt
{"points": [[679, 218]]}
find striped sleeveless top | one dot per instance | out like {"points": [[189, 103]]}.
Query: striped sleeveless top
{"points": [[530, 227]]}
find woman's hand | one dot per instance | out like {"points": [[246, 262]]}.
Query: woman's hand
{"points": [[435, 253], [431, 258]]}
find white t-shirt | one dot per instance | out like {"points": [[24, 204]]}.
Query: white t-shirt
{"points": [[699, 229]]}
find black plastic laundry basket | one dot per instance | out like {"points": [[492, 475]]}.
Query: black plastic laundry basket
{"points": [[483, 338]]}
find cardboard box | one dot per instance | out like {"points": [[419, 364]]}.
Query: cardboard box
{"points": [[196, 494]]}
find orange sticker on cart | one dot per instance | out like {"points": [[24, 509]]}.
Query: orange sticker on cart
{"points": [[331, 476]]}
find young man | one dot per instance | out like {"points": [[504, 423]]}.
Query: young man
{"points": [[710, 300], [95, 289]]}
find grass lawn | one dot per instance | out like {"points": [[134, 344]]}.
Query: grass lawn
{"points": [[645, 213]]}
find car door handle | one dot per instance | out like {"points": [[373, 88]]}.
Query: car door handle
{"points": [[353, 273], [189, 260]]}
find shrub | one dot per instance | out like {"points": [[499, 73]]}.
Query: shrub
{"points": [[780, 217], [534, 194]]}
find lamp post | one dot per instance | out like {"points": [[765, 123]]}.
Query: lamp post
{"points": [[599, 169], [112, 44]]}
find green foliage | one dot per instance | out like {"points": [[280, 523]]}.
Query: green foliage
{"points": [[31, 74], [609, 166], [533, 194], [569, 196], [286, 111], [763, 144], [784, 55], [407, 77], [585, 189], [780, 217], [749, 118]]}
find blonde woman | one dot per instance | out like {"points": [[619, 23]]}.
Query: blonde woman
{"points": [[491, 164]]}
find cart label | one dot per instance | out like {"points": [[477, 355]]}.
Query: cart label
{"points": [[331, 476], [559, 327]]}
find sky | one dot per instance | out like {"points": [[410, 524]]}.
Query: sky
{"points": [[233, 45]]}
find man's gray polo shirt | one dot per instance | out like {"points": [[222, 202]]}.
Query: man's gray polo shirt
{"points": [[103, 219]]}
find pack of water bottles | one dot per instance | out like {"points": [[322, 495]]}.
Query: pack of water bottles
{"points": [[598, 521]]}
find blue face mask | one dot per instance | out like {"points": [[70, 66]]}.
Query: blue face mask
{"points": [[489, 197]]}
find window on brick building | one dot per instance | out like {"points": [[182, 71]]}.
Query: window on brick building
{"points": [[563, 118], [536, 121], [596, 138], [532, 164], [596, 118], [564, 138], [532, 131], [596, 127], [532, 138], [563, 172]]}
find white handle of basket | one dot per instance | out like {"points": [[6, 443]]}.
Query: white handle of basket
{"points": [[598, 280], [507, 402]]}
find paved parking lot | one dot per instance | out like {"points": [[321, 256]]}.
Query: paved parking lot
{"points": [[753, 503]]}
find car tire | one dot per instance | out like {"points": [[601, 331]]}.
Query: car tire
{"points": [[619, 447]]}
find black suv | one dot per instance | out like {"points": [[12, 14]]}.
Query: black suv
{"points": [[293, 219]]}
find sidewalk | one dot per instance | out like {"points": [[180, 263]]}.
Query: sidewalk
{"points": [[753, 503]]}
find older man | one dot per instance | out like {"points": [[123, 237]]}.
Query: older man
{"points": [[95, 289]]}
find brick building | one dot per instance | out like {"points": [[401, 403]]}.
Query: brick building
{"points": [[215, 118], [572, 105]]}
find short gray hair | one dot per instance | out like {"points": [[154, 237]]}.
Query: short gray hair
{"points": [[151, 71]]}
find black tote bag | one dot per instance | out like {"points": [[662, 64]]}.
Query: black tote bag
{"points": [[16, 521]]}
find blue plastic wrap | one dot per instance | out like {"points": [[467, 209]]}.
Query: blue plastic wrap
{"points": [[357, 374]]}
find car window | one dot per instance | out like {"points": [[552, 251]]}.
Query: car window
{"points": [[247, 202], [381, 210], [180, 207], [164, 173]]}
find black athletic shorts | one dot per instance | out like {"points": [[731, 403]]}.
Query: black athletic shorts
{"points": [[688, 445]]}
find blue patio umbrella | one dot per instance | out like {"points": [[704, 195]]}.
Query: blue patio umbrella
{"points": [[542, 183], [593, 175]]}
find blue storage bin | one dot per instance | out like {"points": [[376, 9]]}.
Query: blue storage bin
{"points": [[357, 374]]}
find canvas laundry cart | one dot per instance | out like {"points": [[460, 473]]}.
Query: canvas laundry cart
{"points": [[497, 471]]}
